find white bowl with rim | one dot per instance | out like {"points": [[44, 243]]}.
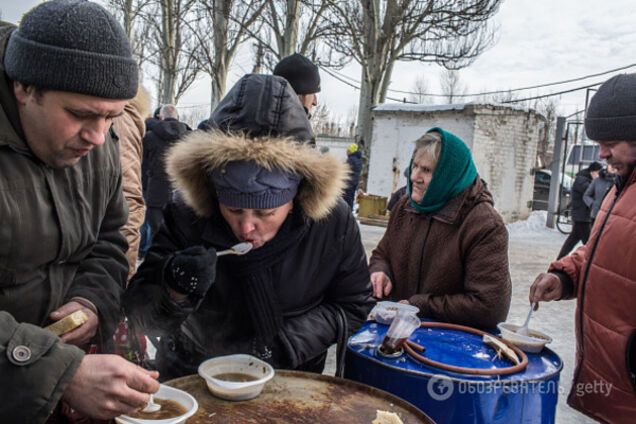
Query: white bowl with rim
{"points": [[534, 342], [170, 393], [261, 371]]}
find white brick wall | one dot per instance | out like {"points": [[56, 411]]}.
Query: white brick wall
{"points": [[503, 141]]}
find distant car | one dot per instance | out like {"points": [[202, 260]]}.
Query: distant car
{"points": [[541, 190]]}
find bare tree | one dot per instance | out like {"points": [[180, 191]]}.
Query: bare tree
{"points": [[548, 107], [420, 91], [221, 26], [133, 15], [176, 48], [451, 85], [378, 33], [297, 26]]}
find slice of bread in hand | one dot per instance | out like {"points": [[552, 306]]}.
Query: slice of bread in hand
{"points": [[386, 417], [68, 323]]}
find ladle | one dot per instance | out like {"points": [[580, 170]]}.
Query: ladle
{"points": [[152, 406], [237, 249], [523, 330]]}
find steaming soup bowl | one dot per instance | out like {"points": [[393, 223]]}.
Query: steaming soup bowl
{"points": [[261, 371], [167, 393]]}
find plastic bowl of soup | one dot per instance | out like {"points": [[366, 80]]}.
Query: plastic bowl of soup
{"points": [[176, 407], [236, 377], [534, 342]]}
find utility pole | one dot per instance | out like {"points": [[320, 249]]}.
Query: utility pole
{"points": [[555, 179]]}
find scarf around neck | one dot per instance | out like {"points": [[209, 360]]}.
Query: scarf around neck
{"points": [[455, 171], [255, 272]]}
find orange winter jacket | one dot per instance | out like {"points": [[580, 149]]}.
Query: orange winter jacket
{"points": [[603, 276]]}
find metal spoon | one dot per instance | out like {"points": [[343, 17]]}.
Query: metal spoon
{"points": [[237, 249], [523, 330], [151, 406]]}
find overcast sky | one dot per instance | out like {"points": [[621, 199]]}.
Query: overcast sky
{"points": [[538, 41]]}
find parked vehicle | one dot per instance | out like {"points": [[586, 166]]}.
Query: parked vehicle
{"points": [[541, 190]]}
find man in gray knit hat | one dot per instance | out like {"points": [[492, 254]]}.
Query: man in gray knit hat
{"points": [[601, 275], [65, 73]]}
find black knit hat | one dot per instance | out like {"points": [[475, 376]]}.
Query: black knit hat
{"points": [[301, 73], [611, 114], [74, 46]]}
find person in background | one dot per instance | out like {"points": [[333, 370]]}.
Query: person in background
{"points": [[304, 77], [445, 249], [154, 119], [579, 211], [354, 160], [598, 188], [130, 130], [256, 179], [601, 274], [157, 141], [65, 74]]}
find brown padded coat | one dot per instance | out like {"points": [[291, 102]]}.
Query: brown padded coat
{"points": [[452, 264], [130, 128], [603, 273]]}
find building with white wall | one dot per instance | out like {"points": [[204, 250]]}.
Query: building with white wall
{"points": [[502, 139]]}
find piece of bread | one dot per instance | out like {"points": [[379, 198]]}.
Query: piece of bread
{"points": [[68, 323], [386, 417]]}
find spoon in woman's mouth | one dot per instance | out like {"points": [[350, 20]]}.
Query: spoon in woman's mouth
{"points": [[237, 249]]}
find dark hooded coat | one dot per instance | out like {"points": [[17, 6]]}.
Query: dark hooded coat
{"points": [[157, 141], [324, 274], [580, 211]]}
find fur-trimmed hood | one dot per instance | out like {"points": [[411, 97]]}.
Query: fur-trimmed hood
{"points": [[189, 162]]}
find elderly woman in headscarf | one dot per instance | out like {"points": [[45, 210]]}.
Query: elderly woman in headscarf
{"points": [[252, 178], [445, 249]]}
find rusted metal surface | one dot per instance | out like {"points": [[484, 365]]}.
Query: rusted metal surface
{"points": [[298, 397]]}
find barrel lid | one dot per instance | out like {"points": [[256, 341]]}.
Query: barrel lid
{"points": [[294, 396], [451, 347]]}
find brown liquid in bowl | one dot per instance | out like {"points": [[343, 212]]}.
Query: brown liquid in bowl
{"points": [[236, 377], [169, 409]]}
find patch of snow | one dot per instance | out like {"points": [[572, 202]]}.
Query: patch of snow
{"points": [[535, 225]]}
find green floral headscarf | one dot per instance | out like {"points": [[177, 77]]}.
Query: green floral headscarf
{"points": [[454, 172]]}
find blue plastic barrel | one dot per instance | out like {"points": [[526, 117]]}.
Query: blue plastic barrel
{"points": [[527, 397]]}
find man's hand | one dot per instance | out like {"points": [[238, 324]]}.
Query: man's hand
{"points": [[106, 386], [82, 334], [546, 287], [382, 284]]}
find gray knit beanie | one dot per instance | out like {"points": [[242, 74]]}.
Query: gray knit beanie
{"points": [[245, 184], [74, 46], [611, 114]]}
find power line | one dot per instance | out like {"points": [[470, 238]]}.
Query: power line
{"points": [[622, 68], [552, 94], [358, 88]]}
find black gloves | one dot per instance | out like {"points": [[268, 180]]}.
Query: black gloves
{"points": [[192, 271]]}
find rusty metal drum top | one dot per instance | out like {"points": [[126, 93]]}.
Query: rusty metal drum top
{"points": [[299, 397]]}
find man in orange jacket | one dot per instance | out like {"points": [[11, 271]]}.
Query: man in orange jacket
{"points": [[601, 275]]}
